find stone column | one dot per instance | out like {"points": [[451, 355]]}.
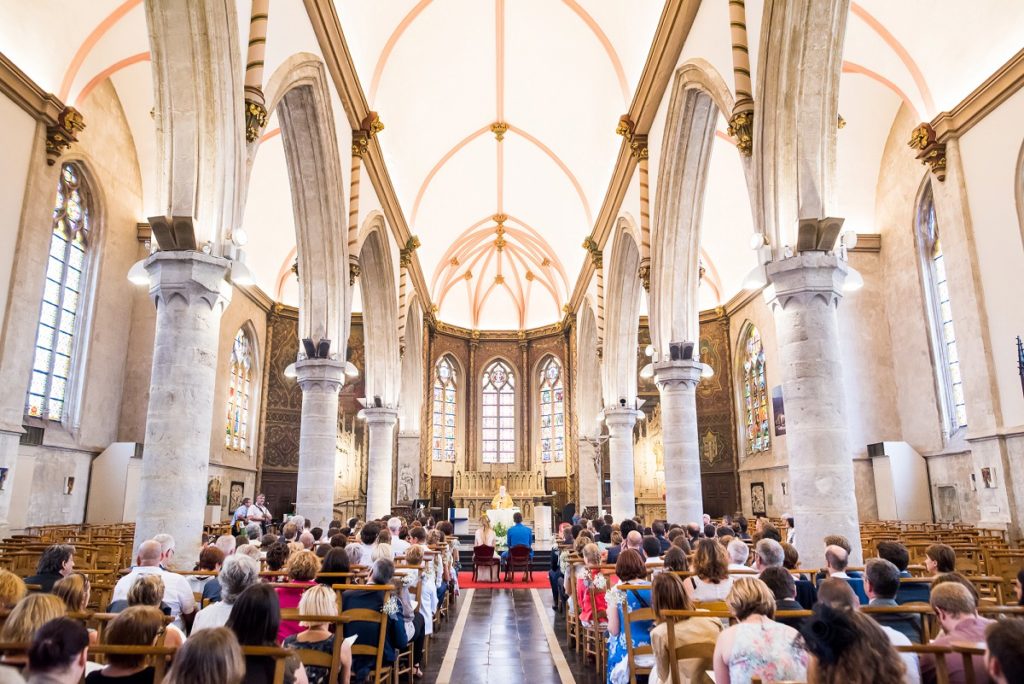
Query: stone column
{"points": [[677, 384], [190, 294], [590, 483], [804, 293], [408, 480], [381, 425], [320, 380], [620, 453], [10, 438]]}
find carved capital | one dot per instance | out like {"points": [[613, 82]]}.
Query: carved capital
{"points": [[255, 119], [60, 135], [741, 127], [929, 150], [625, 127], [804, 278], [191, 278], [669, 375], [360, 143], [320, 376], [596, 256], [405, 254], [353, 270], [644, 273], [638, 147]]}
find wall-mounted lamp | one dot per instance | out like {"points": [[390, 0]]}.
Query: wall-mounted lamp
{"points": [[649, 350], [350, 370], [137, 273], [647, 372], [706, 371], [854, 280]]}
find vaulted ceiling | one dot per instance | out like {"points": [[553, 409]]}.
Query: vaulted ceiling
{"points": [[500, 118]]}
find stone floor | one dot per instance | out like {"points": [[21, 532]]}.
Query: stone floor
{"points": [[502, 639]]}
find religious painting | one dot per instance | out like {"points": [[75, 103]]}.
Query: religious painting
{"points": [[213, 492], [711, 447], [69, 485], [235, 495], [757, 499], [948, 504], [779, 410], [988, 478]]}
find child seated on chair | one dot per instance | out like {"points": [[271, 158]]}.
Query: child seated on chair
{"points": [[591, 576]]}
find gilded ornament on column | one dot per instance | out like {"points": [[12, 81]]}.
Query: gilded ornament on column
{"points": [[596, 255], [360, 142], [625, 127], [353, 271], [405, 254], [644, 273], [255, 119], [371, 124], [930, 150], [60, 136], [741, 127], [638, 147], [499, 129]]}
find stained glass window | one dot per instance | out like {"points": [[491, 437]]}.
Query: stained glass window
{"points": [[444, 410], [552, 412], [944, 334], [62, 288], [499, 414], [239, 393], [755, 394]]}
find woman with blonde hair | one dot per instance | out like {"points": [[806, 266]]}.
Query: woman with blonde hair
{"points": [[302, 570], [134, 626], [711, 580], [74, 590], [148, 590], [485, 535], [669, 593], [12, 589], [589, 577], [211, 656], [319, 601], [757, 646], [31, 613]]}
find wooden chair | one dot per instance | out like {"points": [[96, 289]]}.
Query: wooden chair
{"points": [[703, 652], [280, 655], [159, 656], [926, 618], [999, 612], [483, 557], [405, 662], [595, 636], [518, 560], [380, 671], [939, 653], [630, 617], [573, 626], [310, 657]]}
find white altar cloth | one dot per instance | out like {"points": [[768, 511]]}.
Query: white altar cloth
{"points": [[503, 516]]}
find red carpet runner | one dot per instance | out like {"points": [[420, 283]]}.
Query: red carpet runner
{"points": [[540, 581]]}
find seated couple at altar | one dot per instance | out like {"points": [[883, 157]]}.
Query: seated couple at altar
{"points": [[517, 533]]}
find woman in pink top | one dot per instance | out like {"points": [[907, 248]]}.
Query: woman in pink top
{"points": [[591, 577], [302, 569]]}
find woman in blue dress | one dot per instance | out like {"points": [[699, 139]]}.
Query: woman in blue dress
{"points": [[629, 569]]}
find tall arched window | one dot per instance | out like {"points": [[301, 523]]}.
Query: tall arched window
{"points": [[444, 410], [239, 392], [499, 414], [552, 412], [755, 393], [947, 361], [62, 289]]}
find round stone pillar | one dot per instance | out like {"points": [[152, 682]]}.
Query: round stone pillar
{"points": [[190, 294], [620, 455], [381, 424], [804, 293], [320, 381], [677, 384], [589, 473]]}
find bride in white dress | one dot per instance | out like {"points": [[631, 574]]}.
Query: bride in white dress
{"points": [[485, 534]]}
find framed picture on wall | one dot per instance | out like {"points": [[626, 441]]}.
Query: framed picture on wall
{"points": [[757, 502], [235, 495], [213, 492], [779, 409]]}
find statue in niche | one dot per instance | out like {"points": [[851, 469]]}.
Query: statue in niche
{"points": [[405, 483]]}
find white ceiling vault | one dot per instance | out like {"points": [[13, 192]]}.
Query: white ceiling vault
{"points": [[499, 137], [499, 122]]}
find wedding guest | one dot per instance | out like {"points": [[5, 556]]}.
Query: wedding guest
{"points": [[711, 580], [211, 657], [668, 593], [630, 569]]}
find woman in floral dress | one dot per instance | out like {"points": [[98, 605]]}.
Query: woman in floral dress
{"points": [[630, 569], [757, 646]]}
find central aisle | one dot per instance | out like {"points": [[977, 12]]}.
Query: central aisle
{"points": [[505, 637]]}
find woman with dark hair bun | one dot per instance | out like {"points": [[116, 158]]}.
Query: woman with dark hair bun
{"points": [[58, 652], [255, 620], [847, 647]]}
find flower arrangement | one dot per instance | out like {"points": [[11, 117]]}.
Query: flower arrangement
{"points": [[391, 607], [500, 536], [409, 579], [615, 597]]}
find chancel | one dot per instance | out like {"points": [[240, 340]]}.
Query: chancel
{"points": [[531, 328]]}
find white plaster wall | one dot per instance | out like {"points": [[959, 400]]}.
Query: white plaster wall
{"points": [[16, 137], [45, 471], [107, 484], [989, 154]]}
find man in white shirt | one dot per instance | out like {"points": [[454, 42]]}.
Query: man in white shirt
{"points": [[836, 559], [738, 554], [398, 546], [177, 592]]}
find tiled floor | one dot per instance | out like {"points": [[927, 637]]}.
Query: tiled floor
{"points": [[504, 641]]}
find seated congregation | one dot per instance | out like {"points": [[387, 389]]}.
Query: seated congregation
{"points": [[357, 602], [712, 603]]}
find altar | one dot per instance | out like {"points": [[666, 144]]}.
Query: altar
{"points": [[475, 491], [502, 516]]}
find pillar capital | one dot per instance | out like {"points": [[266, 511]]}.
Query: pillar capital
{"points": [[381, 416], [320, 375], [190, 277], [620, 418], [803, 277], [677, 374]]}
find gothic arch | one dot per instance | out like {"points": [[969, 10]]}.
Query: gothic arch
{"points": [[623, 289], [199, 121], [380, 313], [588, 373], [298, 92], [411, 404], [686, 153]]}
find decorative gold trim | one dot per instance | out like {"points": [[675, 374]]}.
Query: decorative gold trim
{"points": [[60, 136], [741, 127], [499, 129], [644, 274], [596, 255], [255, 119], [930, 151], [405, 254]]}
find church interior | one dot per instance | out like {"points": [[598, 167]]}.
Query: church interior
{"points": [[674, 262]]}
